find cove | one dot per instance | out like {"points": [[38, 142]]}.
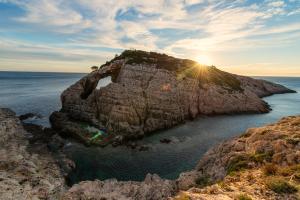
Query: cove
{"points": [[190, 141]]}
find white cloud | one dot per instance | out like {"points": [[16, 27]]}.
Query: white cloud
{"points": [[216, 26], [276, 3]]}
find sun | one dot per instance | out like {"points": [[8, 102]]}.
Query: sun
{"points": [[204, 60]]}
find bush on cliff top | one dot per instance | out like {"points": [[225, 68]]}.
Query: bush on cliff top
{"points": [[182, 67]]}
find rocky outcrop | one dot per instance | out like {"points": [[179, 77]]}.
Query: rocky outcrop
{"points": [[152, 188], [151, 91], [263, 163], [244, 164], [25, 173]]}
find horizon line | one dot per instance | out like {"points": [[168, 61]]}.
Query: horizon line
{"points": [[295, 76]]}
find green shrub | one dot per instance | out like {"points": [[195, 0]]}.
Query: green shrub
{"points": [[261, 157], [241, 162], [238, 163], [280, 186], [243, 197], [202, 181]]}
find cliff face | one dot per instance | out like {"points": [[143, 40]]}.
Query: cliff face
{"points": [[25, 174], [261, 164], [151, 91]]}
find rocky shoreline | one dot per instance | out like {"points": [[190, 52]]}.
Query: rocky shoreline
{"points": [[263, 163], [27, 171], [150, 92]]}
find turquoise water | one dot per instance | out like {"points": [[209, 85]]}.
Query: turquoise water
{"points": [[39, 93]]}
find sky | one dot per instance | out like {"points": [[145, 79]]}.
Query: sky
{"points": [[248, 37]]}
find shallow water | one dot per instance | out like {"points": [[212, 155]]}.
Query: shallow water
{"points": [[39, 93]]}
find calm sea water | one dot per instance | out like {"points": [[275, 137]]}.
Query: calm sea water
{"points": [[35, 92], [39, 93]]}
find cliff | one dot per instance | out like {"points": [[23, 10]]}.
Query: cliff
{"points": [[263, 163], [25, 173], [151, 91]]}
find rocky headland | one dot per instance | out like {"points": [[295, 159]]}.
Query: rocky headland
{"points": [[151, 91]]}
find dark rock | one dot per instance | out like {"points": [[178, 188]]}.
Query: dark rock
{"points": [[29, 115], [132, 145], [165, 140], [118, 140], [143, 148]]}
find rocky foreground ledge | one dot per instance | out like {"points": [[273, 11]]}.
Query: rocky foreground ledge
{"points": [[27, 172], [152, 91], [263, 163]]}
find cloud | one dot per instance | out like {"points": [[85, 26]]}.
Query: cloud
{"points": [[206, 26]]}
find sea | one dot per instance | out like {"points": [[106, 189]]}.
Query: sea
{"points": [[39, 93]]}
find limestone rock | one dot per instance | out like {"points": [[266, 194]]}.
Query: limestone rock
{"points": [[276, 143], [152, 188], [25, 174], [151, 91]]}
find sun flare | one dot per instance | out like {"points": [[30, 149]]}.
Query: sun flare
{"points": [[204, 60]]}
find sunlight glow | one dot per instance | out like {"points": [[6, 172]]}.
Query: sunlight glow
{"points": [[204, 60]]}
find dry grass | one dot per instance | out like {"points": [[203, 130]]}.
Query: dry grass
{"points": [[243, 197], [182, 196], [280, 185], [270, 169]]}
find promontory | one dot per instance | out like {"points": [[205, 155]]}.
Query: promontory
{"points": [[151, 91]]}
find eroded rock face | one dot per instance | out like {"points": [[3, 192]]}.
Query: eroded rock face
{"points": [[154, 91], [24, 174], [152, 188]]}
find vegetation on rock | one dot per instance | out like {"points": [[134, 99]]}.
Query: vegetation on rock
{"points": [[243, 197], [202, 181], [279, 185], [270, 169], [182, 67], [260, 164]]}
